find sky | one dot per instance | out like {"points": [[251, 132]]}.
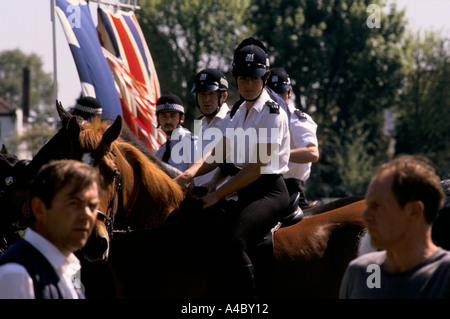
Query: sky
{"points": [[27, 25]]}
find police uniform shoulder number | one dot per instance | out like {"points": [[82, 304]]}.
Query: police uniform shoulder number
{"points": [[300, 114], [273, 106]]}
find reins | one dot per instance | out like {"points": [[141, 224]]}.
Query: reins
{"points": [[109, 220]]}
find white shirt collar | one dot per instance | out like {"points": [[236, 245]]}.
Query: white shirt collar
{"points": [[70, 265], [224, 109], [260, 101]]}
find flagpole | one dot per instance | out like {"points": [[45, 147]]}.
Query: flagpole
{"points": [[55, 64]]}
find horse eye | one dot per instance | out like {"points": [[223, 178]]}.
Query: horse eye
{"points": [[9, 180]]}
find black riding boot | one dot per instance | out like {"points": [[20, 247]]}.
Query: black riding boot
{"points": [[238, 279], [248, 282]]}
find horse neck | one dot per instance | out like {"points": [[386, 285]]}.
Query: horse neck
{"points": [[148, 195]]}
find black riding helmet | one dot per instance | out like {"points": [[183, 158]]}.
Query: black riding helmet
{"points": [[251, 60], [279, 80], [210, 80], [87, 107], [169, 103]]}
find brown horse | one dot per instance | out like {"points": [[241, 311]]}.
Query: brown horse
{"points": [[169, 260], [154, 258], [140, 195], [320, 245], [311, 256]]}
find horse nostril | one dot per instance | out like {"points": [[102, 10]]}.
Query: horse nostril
{"points": [[103, 244]]}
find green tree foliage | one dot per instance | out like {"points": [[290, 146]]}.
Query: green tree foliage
{"points": [[344, 73], [352, 162], [12, 63], [422, 115], [185, 36]]}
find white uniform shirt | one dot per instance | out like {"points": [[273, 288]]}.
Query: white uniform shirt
{"points": [[303, 132], [182, 144], [260, 126], [16, 283], [210, 139]]}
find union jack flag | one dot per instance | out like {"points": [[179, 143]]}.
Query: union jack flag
{"points": [[115, 66], [93, 70], [126, 51]]}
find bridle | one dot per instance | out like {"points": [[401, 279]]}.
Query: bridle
{"points": [[112, 207], [109, 220]]}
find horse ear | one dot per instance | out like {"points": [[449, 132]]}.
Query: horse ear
{"points": [[73, 129], [63, 114], [4, 150], [113, 132], [9, 156]]}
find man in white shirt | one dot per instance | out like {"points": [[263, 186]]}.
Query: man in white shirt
{"points": [[211, 91], [304, 144], [63, 204], [179, 148]]}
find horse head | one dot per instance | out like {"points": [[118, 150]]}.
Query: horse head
{"points": [[93, 143], [138, 194], [63, 145]]}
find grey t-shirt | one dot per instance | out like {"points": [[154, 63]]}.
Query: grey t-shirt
{"points": [[365, 279]]}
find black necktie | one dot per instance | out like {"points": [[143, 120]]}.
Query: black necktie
{"points": [[166, 154]]}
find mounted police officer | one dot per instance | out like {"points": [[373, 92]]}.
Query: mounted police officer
{"points": [[304, 144], [87, 108], [211, 91], [178, 150], [261, 159]]}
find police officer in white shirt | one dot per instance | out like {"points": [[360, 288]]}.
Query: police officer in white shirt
{"points": [[258, 139], [179, 148], [304, 144], [211, 91]]}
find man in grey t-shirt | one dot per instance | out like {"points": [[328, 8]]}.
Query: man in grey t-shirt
{"points": [[402, 201], [365, 278]]}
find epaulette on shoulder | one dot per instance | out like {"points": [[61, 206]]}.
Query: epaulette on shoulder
{"points": [[273, 106], [300, 114]]}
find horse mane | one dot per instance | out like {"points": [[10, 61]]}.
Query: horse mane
{"points": [[162, 189], [128, 136]]}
